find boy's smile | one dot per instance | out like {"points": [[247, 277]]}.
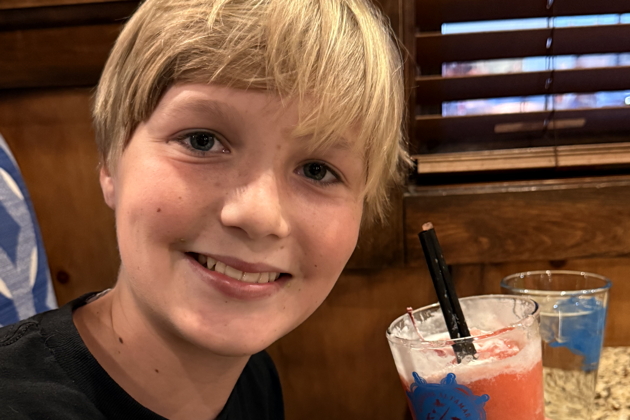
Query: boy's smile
{"points": [[231, 230], [248, 281], [250, 273]]}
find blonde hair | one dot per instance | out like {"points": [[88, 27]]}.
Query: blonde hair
{"points": [[338, 55]]}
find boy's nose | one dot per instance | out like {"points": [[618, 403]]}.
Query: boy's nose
{"points": [[257, 209]]}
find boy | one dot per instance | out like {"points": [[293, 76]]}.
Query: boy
{"points": [[243, 142]]}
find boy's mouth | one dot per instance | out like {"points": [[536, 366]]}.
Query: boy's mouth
{"points": [[214, 265]]}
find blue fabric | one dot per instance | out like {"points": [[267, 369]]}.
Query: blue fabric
{"points": [[10, 233], [25, 285]]}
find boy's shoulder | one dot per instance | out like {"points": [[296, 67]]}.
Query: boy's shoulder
{"points": [[32, 384], [46, 372], [23, 348], [10, 334]]}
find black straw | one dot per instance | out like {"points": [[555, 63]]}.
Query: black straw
{"points": [[451, 309]]}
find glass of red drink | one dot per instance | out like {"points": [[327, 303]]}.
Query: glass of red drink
{"points": [[502, 381]]}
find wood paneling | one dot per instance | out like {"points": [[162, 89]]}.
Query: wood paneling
{"points": [[69, 56], [529, 158], [19, 4], [51, 137], [381, 244], [68, 15], [533, 222]]}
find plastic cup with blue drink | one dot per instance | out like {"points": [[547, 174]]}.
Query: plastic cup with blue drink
{"points": [[573, 307], [502, 380]]}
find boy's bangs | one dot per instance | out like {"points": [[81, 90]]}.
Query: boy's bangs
{"points": [[336, 59], [321, 54]]}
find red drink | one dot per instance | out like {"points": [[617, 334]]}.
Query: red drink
{"points": [[518, 394], [503, 382]]}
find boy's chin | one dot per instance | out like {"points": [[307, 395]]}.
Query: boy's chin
{"points": [[234, 347], [237, 350], [234, 342]]}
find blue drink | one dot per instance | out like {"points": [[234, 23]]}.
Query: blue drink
{"points": [[573, 316]]}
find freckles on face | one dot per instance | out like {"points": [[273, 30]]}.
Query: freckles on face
{"points": [[245, 198], [329, 238], [151, 209]]}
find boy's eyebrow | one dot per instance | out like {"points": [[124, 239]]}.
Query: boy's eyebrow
{"points": [[336, 143], [203, 106], [225, 111]]}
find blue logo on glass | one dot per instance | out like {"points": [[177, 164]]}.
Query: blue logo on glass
{"points": [[576, 323], [445, 401]]}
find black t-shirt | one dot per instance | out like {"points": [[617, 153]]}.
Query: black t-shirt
{"points": [[47, 373]]}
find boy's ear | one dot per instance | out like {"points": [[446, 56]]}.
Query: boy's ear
{"points": [[107, 185]]}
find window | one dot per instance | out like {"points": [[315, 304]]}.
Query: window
{"points": [[520, 86]]}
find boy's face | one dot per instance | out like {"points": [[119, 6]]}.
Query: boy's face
{"points": [[215, 174]]}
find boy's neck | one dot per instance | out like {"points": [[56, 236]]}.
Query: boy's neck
{"points": [[168, 376]]}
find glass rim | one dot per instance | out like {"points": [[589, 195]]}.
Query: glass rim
{"points": [[418, 343], [606, 283]]}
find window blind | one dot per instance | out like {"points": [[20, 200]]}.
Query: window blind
{"points": [[513, 85]]}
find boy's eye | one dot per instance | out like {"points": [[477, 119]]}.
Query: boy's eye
{"points": [[319, 172], [202, 141], [315, 171]]}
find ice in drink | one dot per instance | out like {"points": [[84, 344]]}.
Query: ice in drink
{"points": [[503, 381]]}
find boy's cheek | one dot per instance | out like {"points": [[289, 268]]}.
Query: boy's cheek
{"points": [[328, 257]]}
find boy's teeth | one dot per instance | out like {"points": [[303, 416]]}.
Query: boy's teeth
{"points": [[233, 272], [249, 277], [222, 268], [268, 277], [211, 263]]}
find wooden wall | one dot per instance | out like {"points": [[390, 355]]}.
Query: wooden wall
{"points": [[337, 365], [50, 134]]}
